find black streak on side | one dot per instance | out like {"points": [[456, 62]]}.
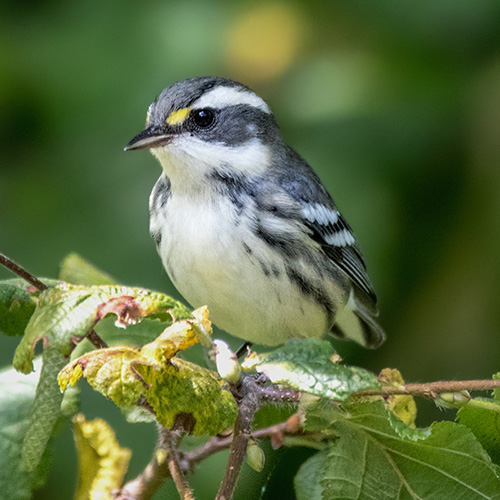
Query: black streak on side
{"points": [[157, 238], [234, 186], [264, 268], [307, 288], [160, 195], [161, 192], [247, 249], [273, 240]]}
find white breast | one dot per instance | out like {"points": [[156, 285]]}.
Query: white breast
{"points": [[204, 248]]}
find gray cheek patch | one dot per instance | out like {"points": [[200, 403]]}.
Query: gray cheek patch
{"points": [[237, 125]]}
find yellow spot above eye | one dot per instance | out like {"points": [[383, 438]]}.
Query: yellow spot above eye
{"points": [[178, 117]]}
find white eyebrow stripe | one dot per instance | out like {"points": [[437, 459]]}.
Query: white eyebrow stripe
{"points": [[222, 97]]}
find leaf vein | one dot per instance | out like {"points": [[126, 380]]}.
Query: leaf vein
{"points": [[444, 473], [370, 430]]}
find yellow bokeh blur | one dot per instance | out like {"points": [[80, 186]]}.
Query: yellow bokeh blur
{"points": [[264, 41]]}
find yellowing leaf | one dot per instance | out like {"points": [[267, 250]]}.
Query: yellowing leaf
{"points": [[65, 313], [110, 371], [186, 390], [174, 388], [178, 337], [402, 405], [116, 371], [102, 461]]}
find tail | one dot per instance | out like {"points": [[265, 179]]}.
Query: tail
{"points": [[356, 322]]}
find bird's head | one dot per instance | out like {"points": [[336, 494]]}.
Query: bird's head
{"points": [[206, 123]]}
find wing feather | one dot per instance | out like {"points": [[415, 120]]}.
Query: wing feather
{"points": [[326, 224]]}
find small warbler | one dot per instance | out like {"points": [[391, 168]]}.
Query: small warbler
{"points": [[244, 225]]}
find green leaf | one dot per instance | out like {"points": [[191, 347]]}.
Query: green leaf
{"points": [[16, 399], [273, 414], [496, 392], [307, 365], [137, 415], [46, 409], [319, 415], [17, 304], [66, 312], [375, 456], [75, 269], [482, 417], [307, 480]]}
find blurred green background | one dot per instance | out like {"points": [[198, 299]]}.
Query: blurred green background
{"points": [[395, 104]]}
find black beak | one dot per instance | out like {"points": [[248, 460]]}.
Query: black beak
{"points": [[149, 138]]}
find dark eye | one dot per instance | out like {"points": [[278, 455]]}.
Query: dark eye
{"points": [[204, 117]]}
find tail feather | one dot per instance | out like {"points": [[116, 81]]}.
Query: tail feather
{"points": [[355, 322]]}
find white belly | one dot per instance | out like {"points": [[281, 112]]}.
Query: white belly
{"points": [[205, 253]]}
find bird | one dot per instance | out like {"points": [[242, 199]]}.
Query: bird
{"points": [[244, 225]]}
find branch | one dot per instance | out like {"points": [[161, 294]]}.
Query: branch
{"points": [[147, 483], [144, 486], [22, 273], [94, 338], [251, 394], [236, 457], [292, 426], [277, 433], [40, 286], [164, 464], [431, 389], [273, 394], [169, 442]]}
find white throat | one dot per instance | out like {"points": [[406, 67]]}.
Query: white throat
{"points": [[187, 160]]}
